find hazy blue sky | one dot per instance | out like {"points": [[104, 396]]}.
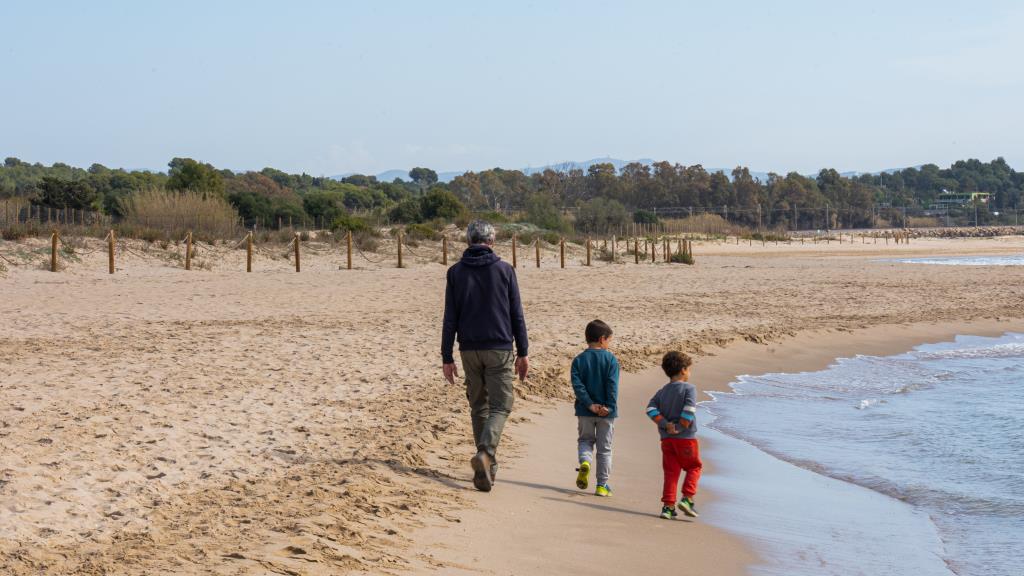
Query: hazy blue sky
{"points": [[333, 87]]}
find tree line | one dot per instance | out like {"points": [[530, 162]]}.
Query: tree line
{"points": [[600, 197]]}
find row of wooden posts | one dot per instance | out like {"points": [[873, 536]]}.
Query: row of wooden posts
{"points": [[684, 246]]}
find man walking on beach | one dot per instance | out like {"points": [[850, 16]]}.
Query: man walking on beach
{"points": [[483, 311]]}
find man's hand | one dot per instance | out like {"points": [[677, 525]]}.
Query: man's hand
{"points": [[522, 367], [595, 408], [450, 372], [671, 428], [603, 410]]}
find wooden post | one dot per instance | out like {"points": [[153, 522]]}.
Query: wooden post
{"points": [[110, 251], [348, 244], [399, 249], [53, 251], [248, 252], [298, 267], [561, 250], [588, 251], [665, 250], [636, 250], [444, 250], [653, 250], [614, 252], [515, 256], [188, 250], [536, 245]]}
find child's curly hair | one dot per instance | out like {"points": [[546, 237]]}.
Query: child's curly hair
{"points": [[673, 363]]}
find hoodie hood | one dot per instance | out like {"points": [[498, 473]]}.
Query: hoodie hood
{"points": [[479, 255]]}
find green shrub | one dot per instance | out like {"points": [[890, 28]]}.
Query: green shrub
{"points": [[420, 232], [527, 237], [645, 217], [542, 212], [682, 258], [407, 211], [350, 223], [438, 224], [281, 236], [769, 237], [601, 215], [492, 217], [551, 237], [440, 203]]}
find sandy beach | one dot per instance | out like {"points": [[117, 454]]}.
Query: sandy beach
{"points": [[218, 422]]}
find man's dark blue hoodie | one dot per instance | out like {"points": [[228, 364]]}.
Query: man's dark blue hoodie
{"points": [[482, 305]]}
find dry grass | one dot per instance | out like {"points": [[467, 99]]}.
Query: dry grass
{"points": [[173, 214], [712, 224], [923, 222]]}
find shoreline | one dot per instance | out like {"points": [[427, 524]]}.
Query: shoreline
{"points": [[814, 351], [723, 548]]}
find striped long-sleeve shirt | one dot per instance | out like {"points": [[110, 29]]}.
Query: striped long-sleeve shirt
{"points": [[676, 402]]}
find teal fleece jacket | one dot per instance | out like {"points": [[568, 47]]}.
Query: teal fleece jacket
{"points": [[595, 380]]}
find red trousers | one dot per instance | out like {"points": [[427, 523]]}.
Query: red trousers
{"points": [[679, 454]]}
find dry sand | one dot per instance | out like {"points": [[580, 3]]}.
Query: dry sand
{"points": [[158, 421]]}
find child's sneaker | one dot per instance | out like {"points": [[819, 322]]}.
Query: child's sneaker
{"points": [[688, 507], [603, 490], [668, 513], [582, 479]]}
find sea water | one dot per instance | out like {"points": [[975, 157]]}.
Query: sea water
{"points": [[918, 459], [1011, 260]]}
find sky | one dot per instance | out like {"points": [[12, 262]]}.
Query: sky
{"points": [[329, 88]]}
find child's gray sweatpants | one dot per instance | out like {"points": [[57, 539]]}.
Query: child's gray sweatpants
{"points": [[596, 432]]}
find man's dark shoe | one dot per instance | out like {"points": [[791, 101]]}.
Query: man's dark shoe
{"points": [[481, 464]]}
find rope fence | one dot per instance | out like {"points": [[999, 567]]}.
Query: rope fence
{"points": [[648, 246]]}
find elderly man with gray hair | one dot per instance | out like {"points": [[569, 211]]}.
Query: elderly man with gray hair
{"points": [[483, 311]]}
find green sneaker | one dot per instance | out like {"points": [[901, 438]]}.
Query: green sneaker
{"points": [[668, 513], [582, 479], [688, 507], [603, 490]]}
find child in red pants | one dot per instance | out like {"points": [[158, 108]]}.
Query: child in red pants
{"points": [[674, 409]]}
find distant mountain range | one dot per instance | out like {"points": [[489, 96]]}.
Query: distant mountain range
{"points": [[390, 175]]}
